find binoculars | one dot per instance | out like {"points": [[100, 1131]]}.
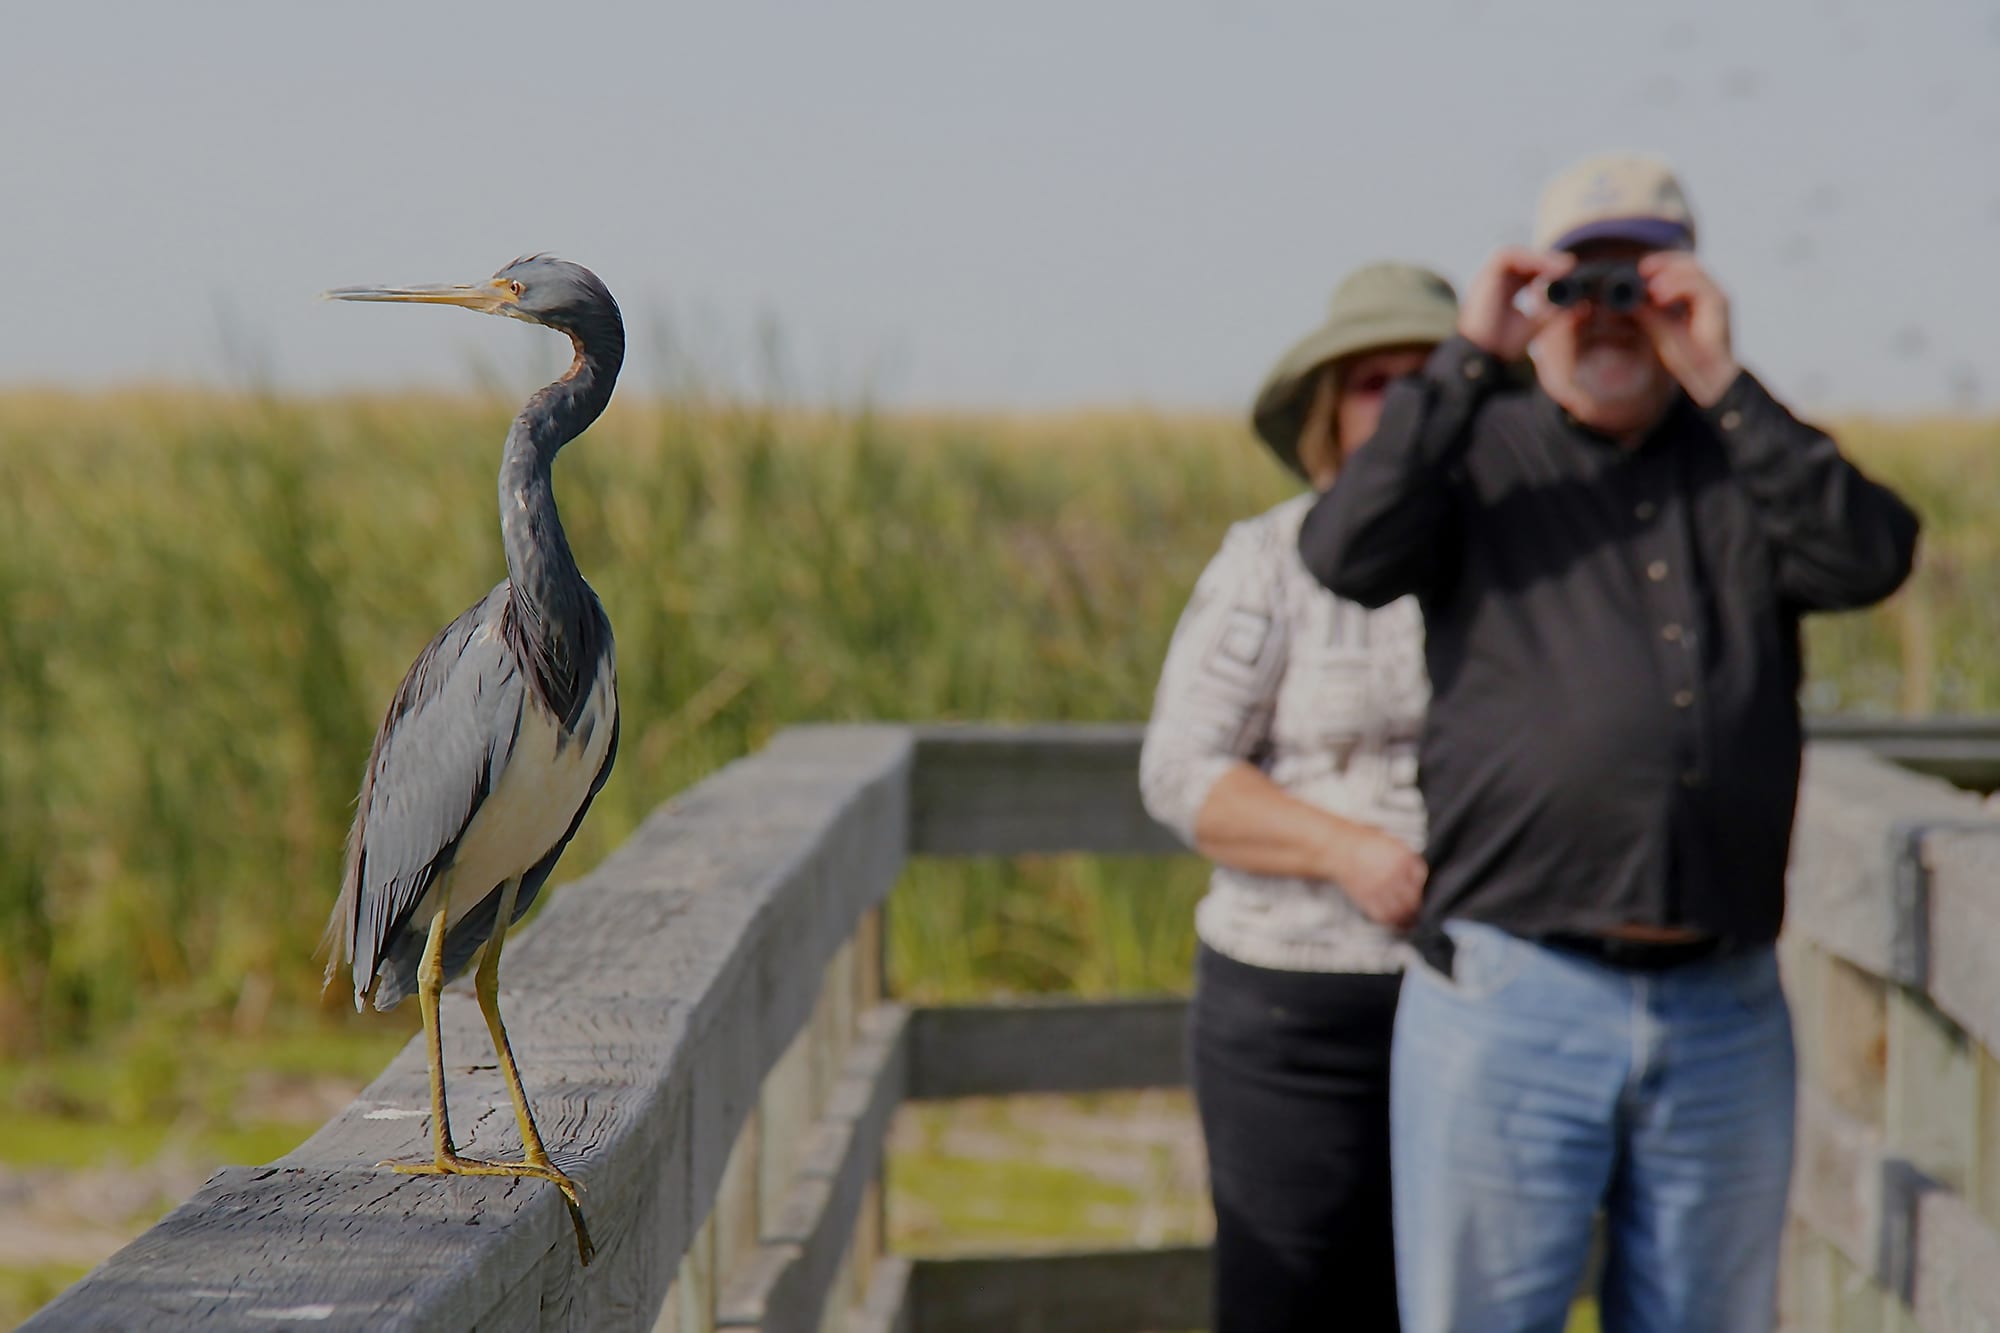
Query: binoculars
{"points": [[1613, 284]]}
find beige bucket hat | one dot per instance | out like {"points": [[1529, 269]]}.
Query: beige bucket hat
{"points": [[1376, 306]]}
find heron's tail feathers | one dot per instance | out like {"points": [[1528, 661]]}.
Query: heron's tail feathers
{"points": [[336, 942]]}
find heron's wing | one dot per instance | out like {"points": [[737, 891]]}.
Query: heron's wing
{"points": [[477, 926], [446, 738]]}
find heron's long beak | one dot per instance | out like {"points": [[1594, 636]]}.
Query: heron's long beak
{"points": [[490, 298]]}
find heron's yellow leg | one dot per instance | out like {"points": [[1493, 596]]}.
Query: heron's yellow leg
{"points": [[430, 984], [447, 1162], [447, 1159], [486, 983]]}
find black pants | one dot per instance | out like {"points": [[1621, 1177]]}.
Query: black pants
{"points": [[1291, 1074]]}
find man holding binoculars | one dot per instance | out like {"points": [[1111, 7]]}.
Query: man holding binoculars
{"points": [[1612, 562]]}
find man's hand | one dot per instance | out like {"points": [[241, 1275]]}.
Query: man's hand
{"points": [[1490, 316], [1383, 877], [1687, 318]]}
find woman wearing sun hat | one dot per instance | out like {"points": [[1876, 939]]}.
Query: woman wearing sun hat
{"points": [[1283, 747]]}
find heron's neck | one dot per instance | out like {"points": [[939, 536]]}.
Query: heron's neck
{"points": [[541, 571]]}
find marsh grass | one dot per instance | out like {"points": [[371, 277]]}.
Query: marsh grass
{"points": [[205, 602]]}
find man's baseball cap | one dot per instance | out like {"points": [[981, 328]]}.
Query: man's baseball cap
{"points": [[1615, 197]]}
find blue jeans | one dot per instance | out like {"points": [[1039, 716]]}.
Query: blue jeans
{"points": [[1533, 1087]]}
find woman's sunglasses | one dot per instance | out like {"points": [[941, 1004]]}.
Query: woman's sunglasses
{"points": [[1370, 385]]}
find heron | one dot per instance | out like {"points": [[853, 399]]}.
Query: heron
{"points": [[501, 734]]}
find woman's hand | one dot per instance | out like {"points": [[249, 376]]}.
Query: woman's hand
{"points": [[1383, 877], [1254, 825]]}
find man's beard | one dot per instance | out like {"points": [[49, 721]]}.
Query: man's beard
{"points": [[1615, 374]]}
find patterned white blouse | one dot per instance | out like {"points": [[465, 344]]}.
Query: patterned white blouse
{"points": [[1327, 698]]}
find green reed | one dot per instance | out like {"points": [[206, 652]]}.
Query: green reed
{"points": [[205, 602]]}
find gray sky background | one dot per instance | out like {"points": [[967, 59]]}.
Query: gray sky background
{"points": [[1021, 205]]}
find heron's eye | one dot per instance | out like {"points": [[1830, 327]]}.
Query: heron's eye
{"points": [[518, 289]]}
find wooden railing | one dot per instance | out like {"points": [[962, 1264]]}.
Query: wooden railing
{"points": [[1892, 963], [703, 1020]]}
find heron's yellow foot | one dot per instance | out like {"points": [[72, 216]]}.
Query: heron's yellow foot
{"points": [[451, 1164]]}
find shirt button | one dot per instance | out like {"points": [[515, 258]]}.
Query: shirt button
{"points": [[1645, 510], [1683, 698], [1475, 368], [1731, 419], [1657, 571], [1671, 633], [1690, 779]]}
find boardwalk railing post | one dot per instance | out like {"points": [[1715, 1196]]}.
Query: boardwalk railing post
{"points": [[704, 1019]]}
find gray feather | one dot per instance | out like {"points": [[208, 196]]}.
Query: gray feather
{"points": [[396, 979], [448, 733]]}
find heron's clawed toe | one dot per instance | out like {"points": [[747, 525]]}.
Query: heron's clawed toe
{"points": [[523, 1169], [541, 1169], [454, 1165], [585, 1250]]}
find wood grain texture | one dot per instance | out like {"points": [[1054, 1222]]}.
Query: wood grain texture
{"points": [[886, 1306], [1047, 1045], [1852, 810], [646, 1005], [1931, 1090], [1855, 1018], [785, 1287], [1955, 1287], [1962, 864], [1837, 1179]]}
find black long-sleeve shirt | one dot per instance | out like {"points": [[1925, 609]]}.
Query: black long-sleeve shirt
{"points": [[1612, 636]]}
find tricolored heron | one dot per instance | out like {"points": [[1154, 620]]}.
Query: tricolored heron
{"points": [[501, 734]]}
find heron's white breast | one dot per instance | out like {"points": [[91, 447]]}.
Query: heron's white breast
{"points": [[536, 796]]}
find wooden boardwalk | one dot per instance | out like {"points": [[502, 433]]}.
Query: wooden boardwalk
{"points": [[702, 1018]]}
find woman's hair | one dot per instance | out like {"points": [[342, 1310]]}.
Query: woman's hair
{"points": [[1319, 437]]}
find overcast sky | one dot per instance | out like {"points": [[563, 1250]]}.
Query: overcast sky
{"points": [[1022, 204]]}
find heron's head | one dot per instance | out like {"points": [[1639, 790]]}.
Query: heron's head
{"points": [[538, 288]]}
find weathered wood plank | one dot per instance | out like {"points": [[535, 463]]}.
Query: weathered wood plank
{"points": [[786, 1106], [982, 790], [870, 959], [1805, 1281], [1962, 750], [646, 1004], [785, 1286], [1837, 1179], [693, 1292], [1955, 1287], [1853, 817], [1000, 791], [1984, 1192], [871, 1233], [736, 1213], [886, 1307], [1961, 866], [1890, 1230], [1931, 1092], [1047, 1045], [1975, 728], [1854, 1020], [1112, 1291], [650, 1000]]}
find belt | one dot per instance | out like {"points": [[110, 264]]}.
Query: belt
{"points": [[1638, 955]]}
